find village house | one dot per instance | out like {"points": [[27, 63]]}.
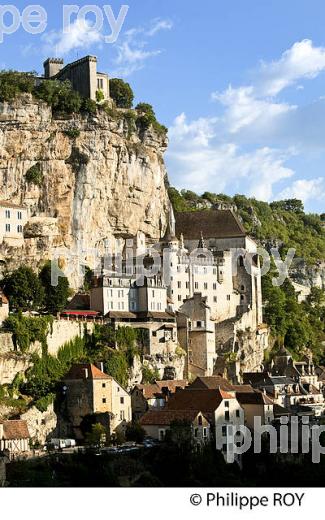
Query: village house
{"points": [[157, 423], [14, 437], [12, 221], [89, 391], [153, 396], [4, 308], [290, 393]]}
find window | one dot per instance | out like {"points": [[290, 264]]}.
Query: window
{"points": [[214, 271], [205, 270], [199, 323], [242, 297], [19, 215], [196, 430], [241, 261], [179, 285], [215, 299], [122, 415], [122, 400], [205, 433], [187, 285], [196, 285], [8, 227], [104, 400], [214, 286], [19, 229], [227, 415], [200, 420], [153, 293], [205, 286], [224, 448], [226, 404], [224, 430], [7, 213], [103, 385], [179, 298], [242, 287], [100, 83], [228, 297], [237, 413]]}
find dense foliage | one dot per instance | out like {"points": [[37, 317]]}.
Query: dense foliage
{"points": [[147, 118], [28, 291], [121, 93], [27, 330], [283, 222]]}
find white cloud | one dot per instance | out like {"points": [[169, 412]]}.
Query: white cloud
{"points": [[132, 52], [81, 35], [301, 61], [159, 25], [305, 190], [200, 162]]}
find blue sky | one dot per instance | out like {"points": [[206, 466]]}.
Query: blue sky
{"points": [[240, 84]]}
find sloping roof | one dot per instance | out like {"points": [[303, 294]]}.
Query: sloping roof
{"points": [[206, 401], [256, 397], [15, 430], [150, 391], [80, 301], [280, 410], [10, 205], [172, 384], [214, 382], [212, 223], [78, 371], [166, 417]]}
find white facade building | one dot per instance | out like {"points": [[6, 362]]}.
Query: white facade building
{"points": [[12, 221]]}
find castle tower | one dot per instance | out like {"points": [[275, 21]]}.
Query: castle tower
{"points": [[52, 67]]}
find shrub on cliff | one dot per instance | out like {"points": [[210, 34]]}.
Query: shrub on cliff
{"points": [[121, 93], [13, 83], [59, 95], [147, 118], [35, 175]]}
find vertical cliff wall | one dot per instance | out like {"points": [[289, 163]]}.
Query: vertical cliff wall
{"points": [[101, 178]]}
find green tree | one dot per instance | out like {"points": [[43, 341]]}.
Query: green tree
{"points": [[24, 289], [134, 432], [121, 93], [59, 95], [13, 83], [56, 297]]}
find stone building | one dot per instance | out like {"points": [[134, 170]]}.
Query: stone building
{"points": [[89, 391], [12, 221], [82, 74], [157, 423], [4, 308], [14, 437], [153, 396]]}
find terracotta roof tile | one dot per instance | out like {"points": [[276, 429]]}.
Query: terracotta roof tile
{"points": [[80, 370], [206, 401], [15, 430], [166, 417], [10, 205]]}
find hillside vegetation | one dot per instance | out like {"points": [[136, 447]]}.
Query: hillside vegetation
{"points": [[282, 223]]}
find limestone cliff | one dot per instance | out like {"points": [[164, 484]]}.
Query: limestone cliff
{"points": [[101, 178]]}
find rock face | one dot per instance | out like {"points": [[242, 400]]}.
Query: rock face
{"points": [[102, 179], [41, 425]]}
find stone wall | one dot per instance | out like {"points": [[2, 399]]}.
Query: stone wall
{"points": [[64, 331], [41, 425]]}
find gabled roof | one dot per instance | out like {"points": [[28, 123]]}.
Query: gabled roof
{"points": [[151, 391], [166, 417], [15, 430], [80, 370], [213, 223], [255, 397], [206, 401], [214, 382]]}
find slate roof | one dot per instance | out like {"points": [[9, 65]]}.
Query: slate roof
{"points": [[15, 430], [255, 397], [212, 223], [78, 371]]}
